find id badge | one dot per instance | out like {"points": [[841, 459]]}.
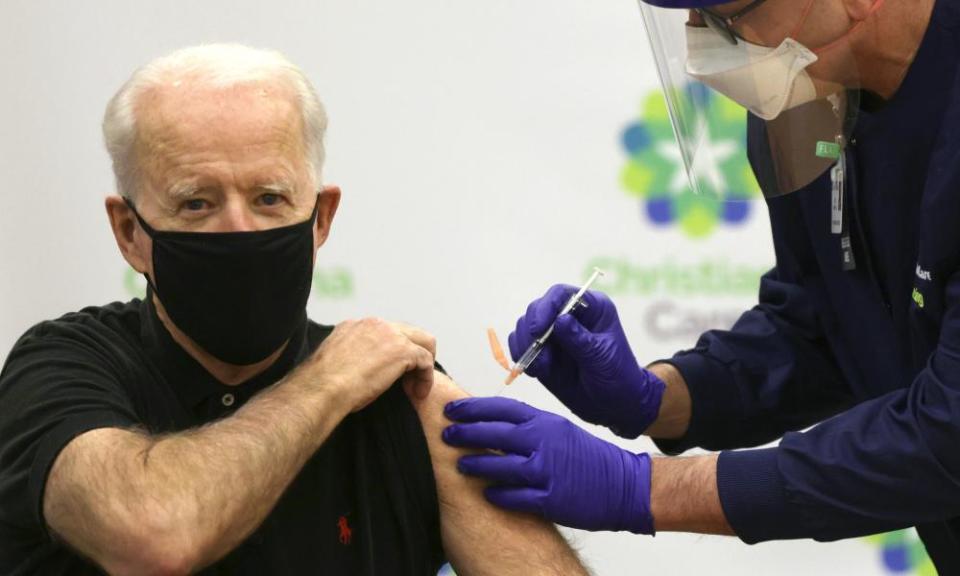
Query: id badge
{"points": [[836, 197]]}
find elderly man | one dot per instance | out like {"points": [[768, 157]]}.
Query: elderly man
{"points": [[212, 425]]}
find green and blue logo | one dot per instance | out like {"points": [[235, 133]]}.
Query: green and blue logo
{"points": [[655, 172], [902, 552]]}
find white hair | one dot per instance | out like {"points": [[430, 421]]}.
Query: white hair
{"points": [[219, 66]]}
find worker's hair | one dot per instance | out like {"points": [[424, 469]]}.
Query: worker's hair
{"points": [[216, 65]]}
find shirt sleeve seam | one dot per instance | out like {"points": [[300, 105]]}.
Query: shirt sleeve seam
{"points": [[54, 441]]}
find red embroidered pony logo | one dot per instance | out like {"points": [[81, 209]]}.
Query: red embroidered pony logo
{"points": [[346, 534]]}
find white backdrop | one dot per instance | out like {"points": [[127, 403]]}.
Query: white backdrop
{"points": [[480, 146]]}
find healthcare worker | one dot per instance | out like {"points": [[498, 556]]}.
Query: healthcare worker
{"points": [[854, 136]]}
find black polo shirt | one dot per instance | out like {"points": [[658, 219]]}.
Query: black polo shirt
{"points": [[364, 504]]}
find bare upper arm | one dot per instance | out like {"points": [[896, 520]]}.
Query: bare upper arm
{"points": [[478, 537]]}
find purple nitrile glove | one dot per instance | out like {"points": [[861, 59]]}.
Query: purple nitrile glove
{"points": [[551, 467], [587, 362]]}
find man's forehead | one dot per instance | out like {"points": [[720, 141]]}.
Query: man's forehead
{"points": [[190, 113]]}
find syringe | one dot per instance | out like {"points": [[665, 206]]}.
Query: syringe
{"points": [[537, 346]]}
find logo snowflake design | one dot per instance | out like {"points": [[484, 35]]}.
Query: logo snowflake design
{"points": [[655, 173]]}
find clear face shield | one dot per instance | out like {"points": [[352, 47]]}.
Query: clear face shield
{"points": [[808, 116]]}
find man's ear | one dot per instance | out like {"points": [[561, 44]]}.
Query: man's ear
{"points": [[124, 225], [327, 206]]}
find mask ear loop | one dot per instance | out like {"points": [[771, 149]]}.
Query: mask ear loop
{"points": [[316, 208], [150, 232], [143, 223]]}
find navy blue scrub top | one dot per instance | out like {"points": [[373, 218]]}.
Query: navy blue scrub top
{"points": [[872, 354]]}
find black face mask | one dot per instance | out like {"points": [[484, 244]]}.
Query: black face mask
{"points": [[239, 295]]}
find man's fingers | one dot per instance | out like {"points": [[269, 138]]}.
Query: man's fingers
{"points": [[422, 382], [423, 358], [417, 384], [420, 372], [420, 337]]}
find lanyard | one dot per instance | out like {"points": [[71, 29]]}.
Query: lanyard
{"points": [[840, 218]]}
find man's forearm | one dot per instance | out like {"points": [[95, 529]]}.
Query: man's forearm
{"points": [[684, 496], [675, 407], [264, 446], [195, 494]]}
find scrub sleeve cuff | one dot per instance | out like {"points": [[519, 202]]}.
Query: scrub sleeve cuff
{"points": [[754, 497]]}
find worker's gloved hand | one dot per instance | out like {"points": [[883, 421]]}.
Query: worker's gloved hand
{"points": [[551, 467], [587, 362]]}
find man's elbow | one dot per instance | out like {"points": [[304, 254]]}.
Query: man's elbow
{"points": [[157, 546], [165, 562], [126, 523]]}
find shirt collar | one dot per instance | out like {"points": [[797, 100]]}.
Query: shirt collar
{"points": [[192, 383]]}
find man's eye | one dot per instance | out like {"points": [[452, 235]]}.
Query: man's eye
{"points": [[270, 199], [195, 204]]}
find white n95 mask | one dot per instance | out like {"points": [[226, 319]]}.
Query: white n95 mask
{"points": [[764, 80]]}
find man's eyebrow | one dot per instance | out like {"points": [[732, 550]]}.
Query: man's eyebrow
{"points": [[183, 189], [275, 186]]}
